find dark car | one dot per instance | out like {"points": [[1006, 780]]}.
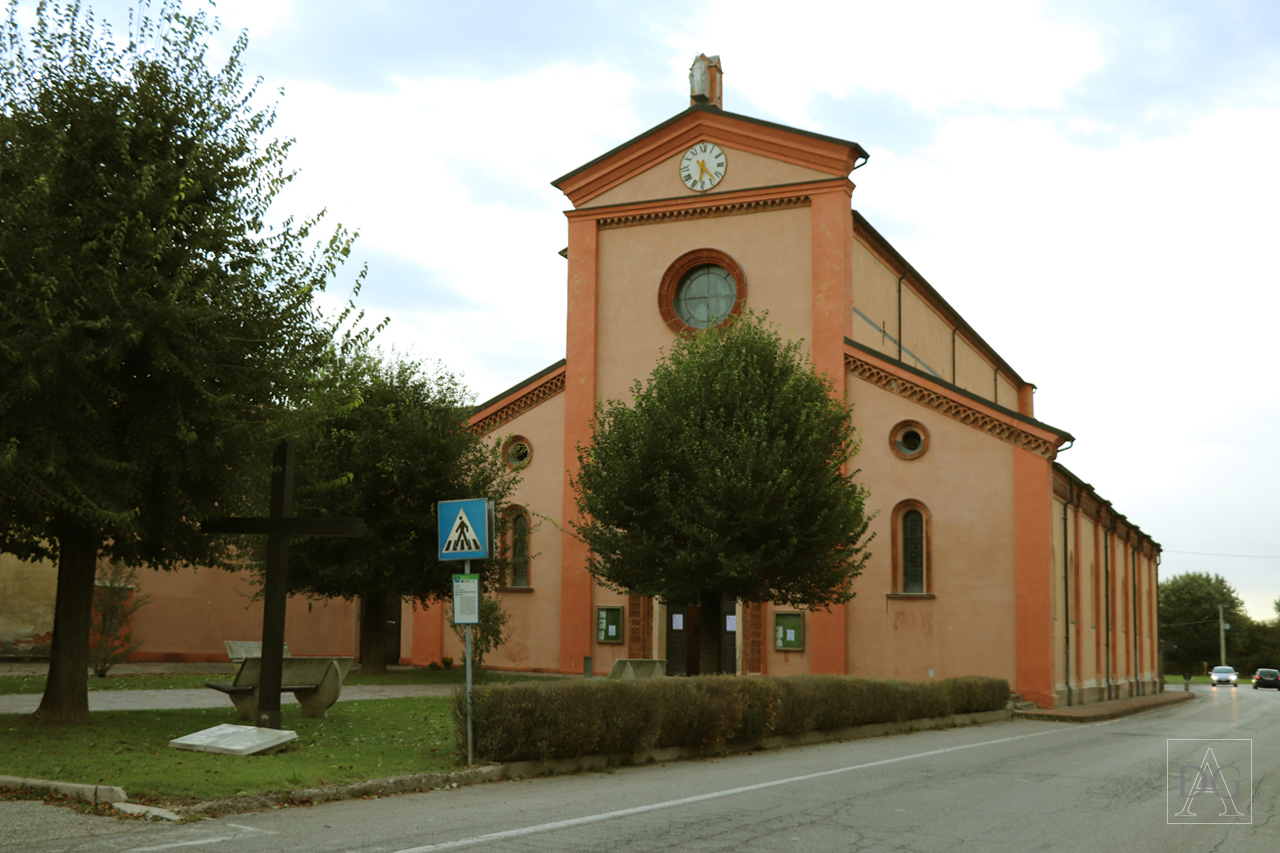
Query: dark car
{"points": [[1266, 678]]}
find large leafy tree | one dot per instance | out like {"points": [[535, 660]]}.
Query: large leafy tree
{"points": [[1189, 619], [728, 474], [389, 459], [156, 334]]}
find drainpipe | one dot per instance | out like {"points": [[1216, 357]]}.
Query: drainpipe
{"points": [[1066, 590], [1133, 580], [1106, 571], [900, 278], [1155, 586]]}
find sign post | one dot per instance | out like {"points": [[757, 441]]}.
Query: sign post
{"points": [[466, 611], [466, 533]]}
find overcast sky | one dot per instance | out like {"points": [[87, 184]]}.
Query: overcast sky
{"points": [[1092, 185]]}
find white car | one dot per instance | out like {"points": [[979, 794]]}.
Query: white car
{"points": [[1223, 675]]}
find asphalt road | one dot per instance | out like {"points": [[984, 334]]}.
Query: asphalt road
{"points": [[1016, 786]]}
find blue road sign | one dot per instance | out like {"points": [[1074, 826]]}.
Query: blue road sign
{"points": [[466, 529]]}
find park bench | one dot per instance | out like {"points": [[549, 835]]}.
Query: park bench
{"points": [[238, 650], [638, 668], [316, 682]]}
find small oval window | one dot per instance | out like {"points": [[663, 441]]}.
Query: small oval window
{"points": [[517, 451], [909, 440]]}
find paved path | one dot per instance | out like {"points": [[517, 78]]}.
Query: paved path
{"points": [[201, 697], [139, 700], [9, 667], [1096, 712]]}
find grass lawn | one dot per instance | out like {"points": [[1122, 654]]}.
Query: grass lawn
{"points": [[357, 741], [11, 684]]}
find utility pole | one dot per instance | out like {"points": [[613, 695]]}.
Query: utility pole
{"points": [[1222, 637]]}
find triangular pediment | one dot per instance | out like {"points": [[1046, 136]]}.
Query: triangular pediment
{"points": [[760, 153]]}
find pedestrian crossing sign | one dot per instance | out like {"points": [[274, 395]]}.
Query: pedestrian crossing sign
{"points": [[466, 529]]}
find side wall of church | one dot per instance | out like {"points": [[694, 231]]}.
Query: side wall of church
{"points": [[192, 611], [1104, 597], [27, 595], [534, 613], [893, 316], [965, 623]]}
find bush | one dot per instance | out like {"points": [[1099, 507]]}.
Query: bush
{"points": [[114, 603], [971, 694], [707, 714]]}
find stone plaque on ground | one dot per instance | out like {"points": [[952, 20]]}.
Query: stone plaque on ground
{"points": [[234, 740]]}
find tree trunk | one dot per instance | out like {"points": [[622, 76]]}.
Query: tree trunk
{"points": [[373, 632], [709, 653], [66, 693]]}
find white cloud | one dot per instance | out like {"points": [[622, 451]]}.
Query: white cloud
{"points": [[935, 55], [453, 174], [259, 17]]}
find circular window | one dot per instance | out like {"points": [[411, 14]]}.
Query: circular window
{"points": [[706, 296], [517, 451], [909, 440], [702, 288]]}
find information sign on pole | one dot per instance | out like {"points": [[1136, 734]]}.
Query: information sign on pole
{"points": [[466, 599]]}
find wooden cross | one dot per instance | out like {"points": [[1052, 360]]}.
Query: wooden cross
{"points": [[278, 527]]}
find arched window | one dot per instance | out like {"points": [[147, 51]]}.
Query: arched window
{"points": [[913, 551], [911, 546], [520, 550], [515, 546]]}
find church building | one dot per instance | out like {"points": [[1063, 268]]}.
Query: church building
{"points": [[989, 558]]}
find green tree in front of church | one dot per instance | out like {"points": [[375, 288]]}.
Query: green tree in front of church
{"points": [[157, 336], [389, 459], [728, 474]]}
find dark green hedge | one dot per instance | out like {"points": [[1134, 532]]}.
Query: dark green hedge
{"points": [[572, 718]]}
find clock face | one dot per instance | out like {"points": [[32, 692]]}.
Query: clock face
{"points": [[702, 166]]}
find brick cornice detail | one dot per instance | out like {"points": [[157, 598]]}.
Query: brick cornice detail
{"points": [[713, 211], [548, 388], [949, 406], [753, 200]]}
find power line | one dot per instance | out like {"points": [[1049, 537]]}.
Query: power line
{"points": [[1209, 554], [1183, 624]]}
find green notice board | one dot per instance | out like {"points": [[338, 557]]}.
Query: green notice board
{"points": [[608, 624], [788, 632]]}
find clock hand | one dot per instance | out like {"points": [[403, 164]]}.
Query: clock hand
{"points": [[702, 168]]}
